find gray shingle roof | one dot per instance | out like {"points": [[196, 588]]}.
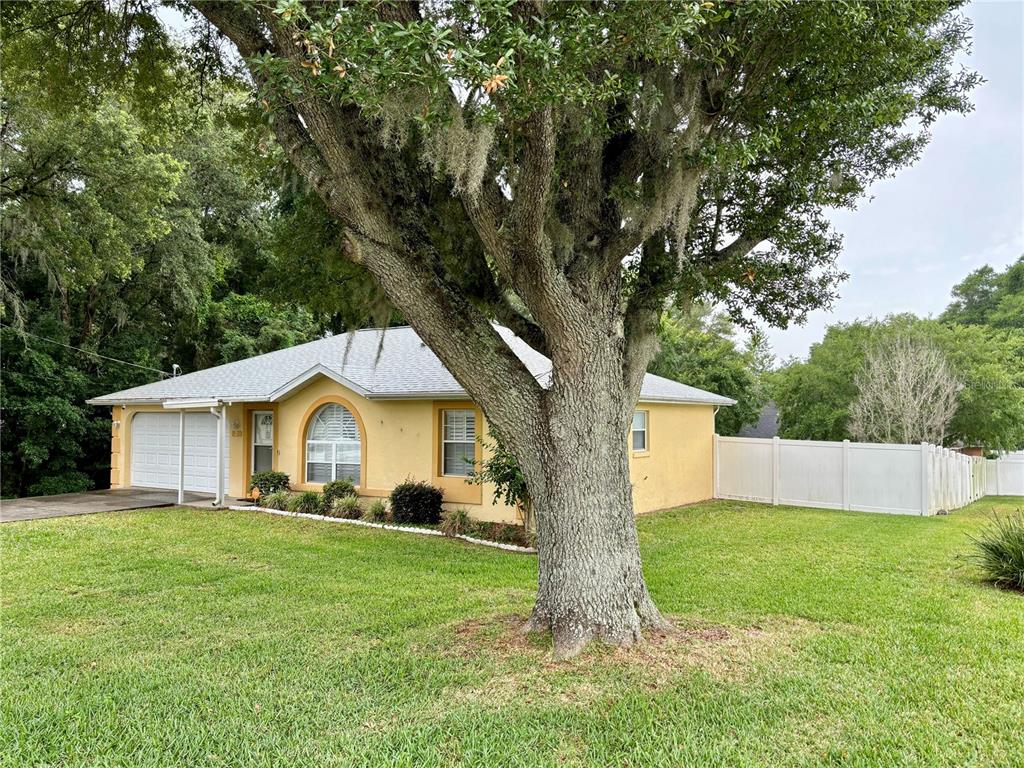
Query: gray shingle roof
{"points": [[405, 368], [767, 424]]}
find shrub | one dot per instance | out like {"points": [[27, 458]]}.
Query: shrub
{"points": [[308, 503], [65, 482], [378, 512], [337, 489], [346, 507], [455, 522], [504, 533], [277, 500], [269, 482], [999, 551], [416, 503]]}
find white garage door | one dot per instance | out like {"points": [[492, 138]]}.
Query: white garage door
{"points": [[155, 451]]}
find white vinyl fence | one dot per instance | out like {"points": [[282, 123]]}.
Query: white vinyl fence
{"points": [[1006, 475], [866, 477]]}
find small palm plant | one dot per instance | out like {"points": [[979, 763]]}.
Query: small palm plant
{"points": [[378, 512], [999, 551], [346, 507], [307, 503], [276, 500]]}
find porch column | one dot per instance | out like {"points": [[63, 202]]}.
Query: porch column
{"points": [[219, 501], [181, 457]]}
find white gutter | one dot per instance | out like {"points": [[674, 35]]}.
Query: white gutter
{"points": [[279, 394], [191, 405]]}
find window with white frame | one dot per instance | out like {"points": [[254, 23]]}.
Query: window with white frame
{"points": [[333, 447], [458, 442], [639, 436]]}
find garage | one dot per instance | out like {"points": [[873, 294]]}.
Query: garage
{"points": [[154, 439]]}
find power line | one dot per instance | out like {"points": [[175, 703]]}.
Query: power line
{"points": [[85, 351]]}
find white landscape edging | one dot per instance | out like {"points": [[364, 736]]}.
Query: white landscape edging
{"points": [[386, 527]]}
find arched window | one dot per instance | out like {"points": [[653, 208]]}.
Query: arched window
{"points": [[333, 449]]}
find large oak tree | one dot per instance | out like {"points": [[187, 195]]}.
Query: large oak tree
{"points": [[565, 169]]}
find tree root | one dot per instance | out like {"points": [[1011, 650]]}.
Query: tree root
{"points": [[571, 636]]}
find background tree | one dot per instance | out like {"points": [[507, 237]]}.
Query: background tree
{"points": [[815, 396], [987, 297], [126, 230], [906, 393], [563, 168], [698, 347]]}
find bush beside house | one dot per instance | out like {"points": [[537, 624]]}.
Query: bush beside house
{"points": [[269, 482], [416, 502]]}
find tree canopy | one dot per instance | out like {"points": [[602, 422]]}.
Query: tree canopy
{"points": [[988, 297], [126, 235]]}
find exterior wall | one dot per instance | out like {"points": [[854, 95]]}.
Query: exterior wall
{"points": [[115, 447], [401, 440], [677, 467]]}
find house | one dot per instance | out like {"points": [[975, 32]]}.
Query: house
{"points": [[379, 409], [767, 424]]}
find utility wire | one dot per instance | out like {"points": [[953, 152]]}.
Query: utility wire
{"points": [[85, 351]]}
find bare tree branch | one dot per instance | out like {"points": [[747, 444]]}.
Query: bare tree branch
{"points": [[907, 393]]}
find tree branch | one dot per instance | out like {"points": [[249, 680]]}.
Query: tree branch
{"points": [[330, 145]]}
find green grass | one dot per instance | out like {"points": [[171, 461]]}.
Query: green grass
{"points": [[183, 637]]}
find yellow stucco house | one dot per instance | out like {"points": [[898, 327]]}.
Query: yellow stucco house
{"points": [[379, 410]]}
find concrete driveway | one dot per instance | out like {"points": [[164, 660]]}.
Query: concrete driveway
{"points": [[110, 500]]}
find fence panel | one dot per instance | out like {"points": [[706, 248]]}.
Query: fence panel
{"points": [[821, 488], [1005, 476], [886, 478], [744, 467]]}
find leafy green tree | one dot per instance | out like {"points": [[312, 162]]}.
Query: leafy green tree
{"points": [[987, 297], [813, 396], [121, 236], [88, 204], [563, 168], [242, 326], [990, 407], [698, 348]]}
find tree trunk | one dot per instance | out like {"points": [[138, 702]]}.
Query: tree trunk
{"points": [[590, 580]]}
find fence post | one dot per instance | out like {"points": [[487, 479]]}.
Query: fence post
{"points": [[846, 475], [963, 481], [775, 471], [925, 498], [947, 492], [714, 466]]}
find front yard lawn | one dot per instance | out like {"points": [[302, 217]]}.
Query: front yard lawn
{"points": [[186, 638]]}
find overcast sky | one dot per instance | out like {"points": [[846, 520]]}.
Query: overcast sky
{"points": [[960, 206]]}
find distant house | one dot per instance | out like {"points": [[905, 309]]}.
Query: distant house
{"points": [[377, 410], [767, 424]]}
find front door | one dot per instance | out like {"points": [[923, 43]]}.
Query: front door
{"points": [[262, 441]]}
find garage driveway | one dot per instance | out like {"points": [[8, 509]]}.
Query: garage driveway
{"points": [[110, 500]]}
